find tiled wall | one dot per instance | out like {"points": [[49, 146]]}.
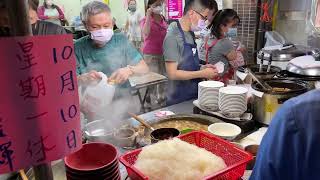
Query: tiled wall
{"points": [[247, 29]]}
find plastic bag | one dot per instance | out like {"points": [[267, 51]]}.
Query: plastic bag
{"points": [[97, 97], [274, 39]]}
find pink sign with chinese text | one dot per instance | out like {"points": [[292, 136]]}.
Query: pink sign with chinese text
{"points": [[39, 104], [175, 9]]}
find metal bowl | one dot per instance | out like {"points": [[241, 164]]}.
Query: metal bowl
{"points": [[125, 137], [98, 131]]}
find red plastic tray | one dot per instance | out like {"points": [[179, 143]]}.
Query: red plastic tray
{"points": [[235, 158]]}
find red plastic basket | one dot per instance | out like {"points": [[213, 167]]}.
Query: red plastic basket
{"points": [[235, 158]]}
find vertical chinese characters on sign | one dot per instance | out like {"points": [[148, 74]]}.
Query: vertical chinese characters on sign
{"points": [[32, 87], [39, 106], [5, 149], [37, 150], [67, 84]]}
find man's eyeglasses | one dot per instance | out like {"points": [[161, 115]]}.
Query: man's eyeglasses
{"points": [[202, 17]]}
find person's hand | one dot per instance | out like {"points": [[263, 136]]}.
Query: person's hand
{"points": [[121, 75], [88, 78], [54, 17], [208, 66], [209, 72], [149, 12]]}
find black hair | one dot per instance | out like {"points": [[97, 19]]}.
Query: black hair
{"points": [[223, 17], [53, 6], [33, 4], [190, 4], [214, 6], [3, 4], [149, 3], [238, 20]]}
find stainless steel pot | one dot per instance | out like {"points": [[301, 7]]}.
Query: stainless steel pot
{"points": [[98, 131], [311, 80], [281, 57], [265, 108]]}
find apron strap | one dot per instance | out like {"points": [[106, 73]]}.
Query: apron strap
{"points": [[208, 47], [182, 33]]}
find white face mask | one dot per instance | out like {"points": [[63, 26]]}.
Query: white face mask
{"points": [[158, 10], [200, 26], [205, 32], [232, 33], [101, 36], [49, 2]]}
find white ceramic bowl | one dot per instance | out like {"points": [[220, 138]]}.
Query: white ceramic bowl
{"points": [[233, 90], [226, 131], [211, 84], [233, 101], [208, 94]]}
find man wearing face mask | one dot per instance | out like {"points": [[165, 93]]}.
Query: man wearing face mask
{"points": [[181, 55], [105, 51]]}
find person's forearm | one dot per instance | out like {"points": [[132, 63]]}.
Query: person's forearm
{"points": [[43, 17], [146, 27], [126, 28], [140, 68], [61, 14], [41, 13], [185, 75]]}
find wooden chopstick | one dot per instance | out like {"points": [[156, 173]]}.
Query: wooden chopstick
{"points": [[141, 120], [23, 175]]}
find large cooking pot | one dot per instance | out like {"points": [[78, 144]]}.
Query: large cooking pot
{"points": [[310, 73], [310, 80], [265, 107], [281, 56]]}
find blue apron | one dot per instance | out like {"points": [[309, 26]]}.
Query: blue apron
{"points": [[180, 91]]}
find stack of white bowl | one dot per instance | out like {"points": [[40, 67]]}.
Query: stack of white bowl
{"points": [[233, 101], [208, 94]]}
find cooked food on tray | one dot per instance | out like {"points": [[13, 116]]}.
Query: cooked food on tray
{"points": [[277, 89], [177, 160], [179, 124]]}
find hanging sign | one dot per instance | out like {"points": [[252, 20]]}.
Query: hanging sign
{"points": [[39, 104], [175, 9]]}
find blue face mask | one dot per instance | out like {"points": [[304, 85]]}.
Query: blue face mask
{"points": [[232, 33], [205, 32]]}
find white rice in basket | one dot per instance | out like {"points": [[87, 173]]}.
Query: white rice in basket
{"points": [[177, 160]]}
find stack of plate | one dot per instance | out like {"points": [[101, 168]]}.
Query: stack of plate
{"points": [[208, 94], [94, 161], [233, 101]]}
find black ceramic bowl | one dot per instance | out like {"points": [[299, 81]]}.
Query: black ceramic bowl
{"points": [[164, 134]]}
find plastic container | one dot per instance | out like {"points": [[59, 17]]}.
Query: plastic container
{"points": [[96, 98], [274, 38], [235, 158]]}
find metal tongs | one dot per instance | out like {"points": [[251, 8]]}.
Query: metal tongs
{"points": [[262, 63], [263, 84]]}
